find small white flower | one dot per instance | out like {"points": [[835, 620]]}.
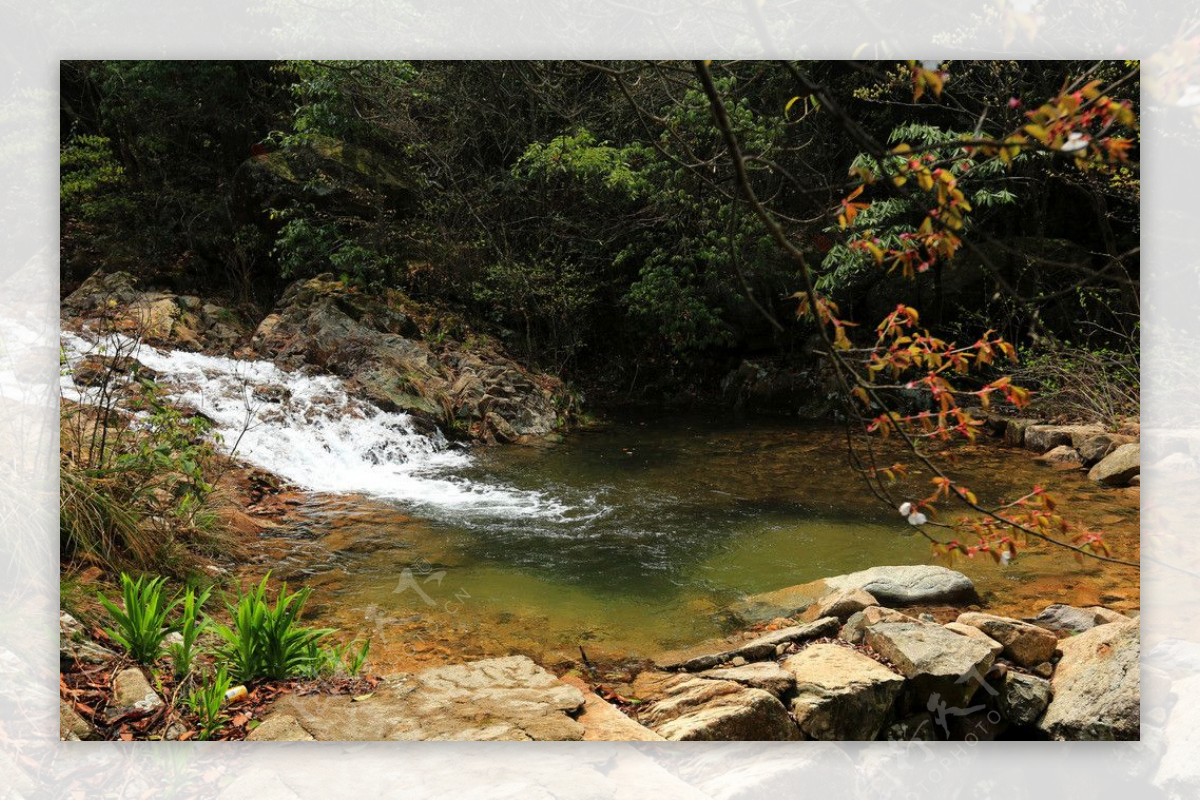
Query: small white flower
{"points": [[917, 519], [906, 509], [1075, 141], [1005, 558]]}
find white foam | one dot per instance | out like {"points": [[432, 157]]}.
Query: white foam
{"points": [[316, 434]]}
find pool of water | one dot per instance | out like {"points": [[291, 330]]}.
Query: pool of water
{"points": [[657, 524]]}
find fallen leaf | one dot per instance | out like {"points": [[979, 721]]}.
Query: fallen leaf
{"points": [[362, 697]]}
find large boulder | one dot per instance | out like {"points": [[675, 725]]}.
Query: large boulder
{"points": [[1024, 643], [692, 708], [373, 341], [1116, 469], [509, 698], [894, 585], [1095, 448], [942, 667], [1096, 688], [841, 694]]}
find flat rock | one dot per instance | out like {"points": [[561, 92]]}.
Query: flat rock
{"points": [[510, 698], [971, 631], [841, 694], [130, 690], [767, 676], [693, 708], [856, 627], [942, 667], [1105, 615], [1065, 618], [603, 722], [280, 728], [1023, 698], [757, 648], [1116, 469], [840, 604], [1042, 438], [1024, 643], [1096, 686], [890, 585]]}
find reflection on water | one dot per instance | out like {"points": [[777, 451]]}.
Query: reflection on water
{"points": [[668, 519]]}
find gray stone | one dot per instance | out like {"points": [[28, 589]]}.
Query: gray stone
{"points": [[1061, 456], [1116, 469], [1065, 618], [1023, 698], [72, 726], [767, 676], [841, 694], [971, 631], [840, 604], [510, 698], [908, 585], [74, 645], [942, 667], [1093, 449], [856, 627], [1042, 438], [130, 690], [1024, 643], [1095, 687], [704, 709], [280, 727]]}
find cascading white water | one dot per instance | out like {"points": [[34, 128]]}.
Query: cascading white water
{"points": [[309, 430]]}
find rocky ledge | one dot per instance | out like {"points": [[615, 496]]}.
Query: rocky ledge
{"points": [[388, 349]]}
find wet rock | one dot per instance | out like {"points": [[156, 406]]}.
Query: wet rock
{"points": [[1094, 449], [1095, 687], [1023, 698], [840, 604], [1024, 643], [856, 627], [1042, 438], [841, 694], [602, 721], [942, 667], [280, 728], [1063, 456], [693, 708], [510, 698], [130, 690], [971, 631], [767, 676], [1116, 469]]}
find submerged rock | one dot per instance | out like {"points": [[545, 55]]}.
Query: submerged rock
{"points": [[1096, 687]]}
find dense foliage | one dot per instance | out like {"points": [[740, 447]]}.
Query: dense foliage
{"points": [[588, 213]]}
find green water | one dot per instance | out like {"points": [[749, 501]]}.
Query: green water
{"points": [[667, 520]]}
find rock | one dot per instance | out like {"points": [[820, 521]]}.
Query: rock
{"points": [[1106, 615], [510, 698], [856, 627], [1063, 456], [602, 721], [942, 667], [1023, 698], [279, 727], [1093, 449], [72, 726], [767, 676], [1095, 687], [1045, 670], [1014, 432], [74, 644], [841, 694], [704, 709], [130, 690], [1116, 469], [840, 604], [99, 290], [971, 631], [764, 646], [899, 585], [1042, 438], [1024, 643], [1065, 618]]}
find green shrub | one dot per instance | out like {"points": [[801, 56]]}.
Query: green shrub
{"points": [[267, 641], [141, 626], [206, 702], [190, 626]]}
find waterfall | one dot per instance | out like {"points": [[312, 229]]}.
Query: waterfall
{"points": [[312, 432]]}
